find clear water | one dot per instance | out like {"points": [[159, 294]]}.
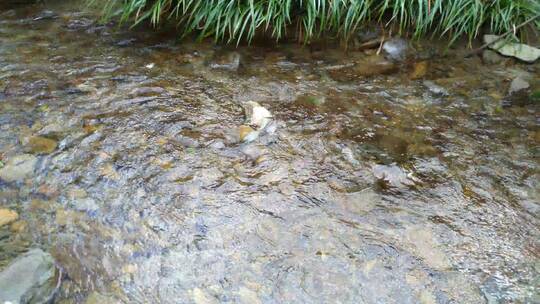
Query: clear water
{"points": [[373, 188]]}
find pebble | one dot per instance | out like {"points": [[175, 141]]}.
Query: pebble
{"points": [[7, 216], [420, 70]]}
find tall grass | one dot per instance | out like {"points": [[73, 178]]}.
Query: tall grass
{"points": [[235, 20]]}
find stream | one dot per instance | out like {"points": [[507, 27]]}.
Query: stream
{"points": [[381, 182]]}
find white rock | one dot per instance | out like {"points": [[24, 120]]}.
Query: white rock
{"points": [[257, 115]]}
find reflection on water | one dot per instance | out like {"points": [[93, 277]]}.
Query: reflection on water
{"points": [[375, 187]]}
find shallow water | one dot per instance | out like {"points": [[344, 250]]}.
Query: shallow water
{"points": [[374, 188]]}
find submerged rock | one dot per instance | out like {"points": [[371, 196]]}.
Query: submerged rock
{"points": [[435, 88], [257, 115], [375, 65], [228, 61], [28, 279], [396, 48], [18, 168], [247, 133], [518, 84], [41, 145], [393, 175], [420, 70], [520, 51], [491, 57], [7, 216]]}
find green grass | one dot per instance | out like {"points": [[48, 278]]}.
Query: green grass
{"points": [[305, 20]]}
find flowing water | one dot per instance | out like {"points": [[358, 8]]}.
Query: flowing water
{"points": [[373, 187]]}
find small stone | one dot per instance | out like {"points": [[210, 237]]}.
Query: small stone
{"points": [[28, 279], [435, 88], [18, 226], [375, 65], [18, 168], [246, 133], [393, 175], [7, 216], [420, 70], [41, 145], [517, 85], [257, 115], [148, 91]]}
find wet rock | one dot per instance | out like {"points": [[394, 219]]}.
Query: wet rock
{"points": [[435, 88], [252, 151], [518, 84], [393, 175], [79, 24], [375, 65], [257, 115], [7, 216], [41, 145], [28, 279], [18, 226], [396, 48], [368, 35], [520, 51], [53, 129], [227, 61], [420, 70], [247, 134], [18, 167], [45, 15], [148, 91], [126, 42], [491, 57]]}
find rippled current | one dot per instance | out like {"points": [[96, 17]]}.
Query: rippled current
{"points": [[374, 187]]}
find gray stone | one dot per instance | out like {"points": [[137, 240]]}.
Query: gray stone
{"points": [[520, 51], [435, 88], [28, 279], [396, 48], [18, 168], [518, 84], [491, 57]]}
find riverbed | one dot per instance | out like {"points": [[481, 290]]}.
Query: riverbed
{"points": [[381, 182]]}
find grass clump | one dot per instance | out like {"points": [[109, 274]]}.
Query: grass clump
{"points": [[235, 20]]}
